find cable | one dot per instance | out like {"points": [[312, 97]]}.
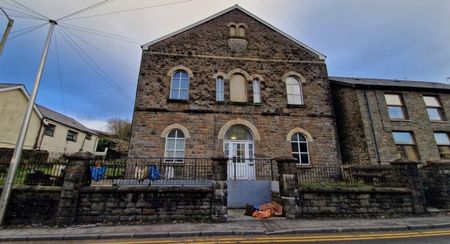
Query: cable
{"points": [[58, 62], [102, 33], [85, 9], [25, 32], [103, 52], [24, 14], [94, 66], [25, 29], [30, 10], [129, 10]]}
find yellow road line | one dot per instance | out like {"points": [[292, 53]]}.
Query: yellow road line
{"points": [[297, 238]]}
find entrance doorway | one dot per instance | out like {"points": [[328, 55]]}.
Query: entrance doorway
{"points": [[239, 148]]}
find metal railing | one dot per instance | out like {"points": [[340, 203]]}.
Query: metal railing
{"points": [[251, 169], [346, 175], [36, 173]]}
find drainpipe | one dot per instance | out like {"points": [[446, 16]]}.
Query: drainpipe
{"points": [[371, 126], [38, 137]]}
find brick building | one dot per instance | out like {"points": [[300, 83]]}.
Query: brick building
{"points": [[380, 120], [233, 84]]}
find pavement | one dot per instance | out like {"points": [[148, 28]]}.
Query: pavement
{"points": [[237, 225]]}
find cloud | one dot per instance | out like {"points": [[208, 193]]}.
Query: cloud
{"points": [[94, 124]]}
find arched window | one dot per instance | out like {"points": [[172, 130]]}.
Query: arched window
{"points": [[232, 30], [238, 88], [219, 89], [256, 91], [294, 90], [300, 150], [241, 31], [179, 86], [175, 141]]}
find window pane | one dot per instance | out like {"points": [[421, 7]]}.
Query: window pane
{"points": [[295, 147], [396, 113], [431, 101], [403, 138], [172, 134], [445, 152], [179, 154], [180, 144], [441, 138], [304, 158], [184, 84], [410, 152], [183, 95], [184, 75], [434, 114], [303, 147], [297, 156], [393, 99], [170, 154], [170, 144]]}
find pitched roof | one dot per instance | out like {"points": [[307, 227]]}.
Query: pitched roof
{"points": [[4, 85], [388, 83], [9, 87], [320, 55], [63, 119]]}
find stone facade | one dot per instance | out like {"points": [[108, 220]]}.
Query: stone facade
{"points": [[205, 52], [365, 129]]}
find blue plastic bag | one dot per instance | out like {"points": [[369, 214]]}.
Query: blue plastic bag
{"points": [[98, 173], [153, 173]]}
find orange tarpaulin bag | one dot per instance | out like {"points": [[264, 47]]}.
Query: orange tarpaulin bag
{"points": [[276, 208], [261, 214]]}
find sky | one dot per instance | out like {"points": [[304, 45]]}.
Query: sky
{"points": [[92, 66]]}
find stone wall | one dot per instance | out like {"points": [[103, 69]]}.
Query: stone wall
{"points": [[27, 154], [348, 202], [436, 183], [373, 123], [33, 205], [204, 50], [143, 204]]}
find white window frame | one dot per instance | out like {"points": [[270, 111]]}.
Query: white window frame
{"points": [[220, 89], [175, 92], [438, 108], [256, 91], [296, 96], [175, 149], [298, 142]]}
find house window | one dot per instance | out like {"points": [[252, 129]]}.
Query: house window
{"points": [[300, 150], [294, 90], [219, 89], [72, 135], [443, 143], [241, 31], [434, 108], [49, 130], [238, 88], [179, 87], [232, 30], [395, 106], [175, 141], [406, 145], [88, 137], [256, 91]]}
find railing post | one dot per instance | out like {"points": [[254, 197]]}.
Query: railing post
{"points": [[409, 175], [219, 210], [76, 173], [288, 181]]}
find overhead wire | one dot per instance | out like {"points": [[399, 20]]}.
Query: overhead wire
{"points": [[24, 15], [102, 33], [103, 52], [85, 9], [60, 77], [130, 10], [94, 65], [27, 31], [29, 9]]}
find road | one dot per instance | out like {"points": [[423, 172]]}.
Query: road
{"points": [[410, 237]]}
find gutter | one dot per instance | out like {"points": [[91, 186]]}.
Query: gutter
{"points": [[377, 153]]}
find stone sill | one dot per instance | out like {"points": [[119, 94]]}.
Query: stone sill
{"points": [[296, 106], [36, 188], [177, 100], [400, 120], [439, 121], [396, 190]]}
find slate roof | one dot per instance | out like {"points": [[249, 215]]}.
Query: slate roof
{"points": [[389, 83], [63, 119]]}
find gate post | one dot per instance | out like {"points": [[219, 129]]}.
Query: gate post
{"points": [[75, 174], [219, 210], [409, 175], [288, 180]]}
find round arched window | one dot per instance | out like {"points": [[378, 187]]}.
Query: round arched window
{"points": [[239, 132]]}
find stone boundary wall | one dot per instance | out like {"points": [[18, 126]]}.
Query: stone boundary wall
{"points": [[436, 183], [354, 201], [143, 203], [33, 205]]}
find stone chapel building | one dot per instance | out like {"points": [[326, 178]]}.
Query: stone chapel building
{"points": [[236, 85]]}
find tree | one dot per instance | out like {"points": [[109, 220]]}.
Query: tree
{"points": [[119, 128]]}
